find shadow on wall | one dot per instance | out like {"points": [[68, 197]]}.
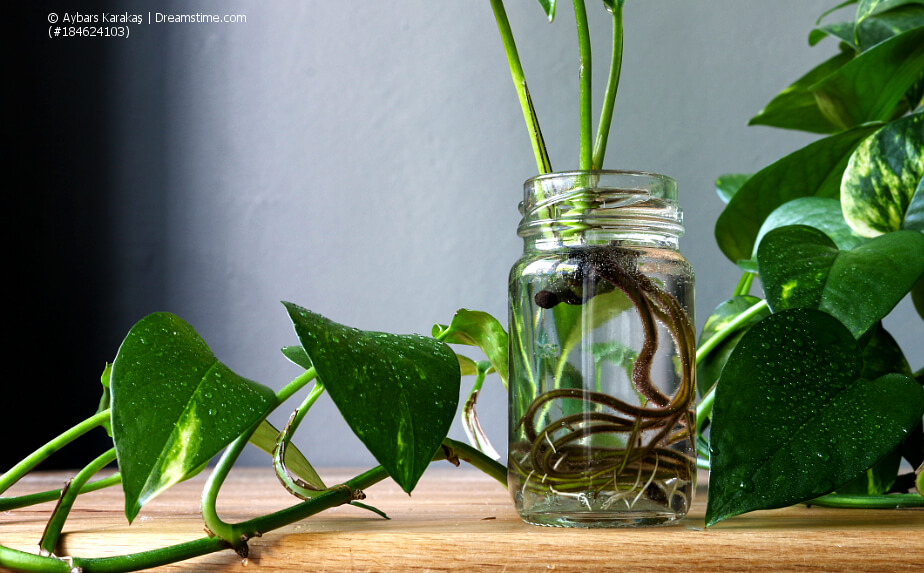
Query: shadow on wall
{"points": [[63, 308]]}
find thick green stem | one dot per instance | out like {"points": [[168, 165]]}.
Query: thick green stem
{"points": [[38, 456], [612, 86], [586, 103], [519, 82], [744, 285], [10, 503], [714, 340], [885, 501], [56, 523]]}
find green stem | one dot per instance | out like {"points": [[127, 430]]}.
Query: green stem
{"points": [[9, 503], [477, 459], [214, 523], [583, 31], [744, 284], [885, 501], [519, 82], [704, 409], [71, 491], [714, 340], [612, 86], [38, 456]]}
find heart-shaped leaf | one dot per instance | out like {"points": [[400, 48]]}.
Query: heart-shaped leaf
{"points": [[792, 420], [174, 406], [477, 328], [398, 393], [796, 107], [883, 176], [871, 86], [709, 369], [813, 171], [800, 267]]}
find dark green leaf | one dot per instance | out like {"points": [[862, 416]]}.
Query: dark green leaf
{"points": [[727, 185], [796, 106], [174, 406], [883, 176], [843, 31], [793, 421], [800, 267], [878, 479], [892, 23], [872, 85], [398, 393], [264, 437], [914, 216], [814, 170], [477, 328], [710, 368], [297, 356], [917, 296], [821, 213], [882, 355]]}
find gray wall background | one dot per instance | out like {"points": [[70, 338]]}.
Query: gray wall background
{"points": [[365, 160]]}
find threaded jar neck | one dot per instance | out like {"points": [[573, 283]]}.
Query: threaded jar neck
{"points": [[599, 207]]}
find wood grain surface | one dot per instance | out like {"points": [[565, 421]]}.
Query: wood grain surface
{"points": [[460, 520]]}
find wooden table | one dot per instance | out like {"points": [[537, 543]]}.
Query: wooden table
{"points": [[460, 520]]}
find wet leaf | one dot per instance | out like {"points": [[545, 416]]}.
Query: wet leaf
{"points": [[871, 86], [477, 328], [821, 213], [917, 296], [800, 267], [727, 185], [796, 107], [882, 179], [792, 418], [297, 355], [398, 393], [174, 406], [813, 171], [710, 368]]}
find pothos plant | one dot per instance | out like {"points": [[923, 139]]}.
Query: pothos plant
{"points": [[806, 397], [814, 395]]}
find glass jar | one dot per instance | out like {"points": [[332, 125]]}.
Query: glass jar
{"points": [[602, 353]]}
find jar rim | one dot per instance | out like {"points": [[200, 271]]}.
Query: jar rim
{"points": [[665, 186]]}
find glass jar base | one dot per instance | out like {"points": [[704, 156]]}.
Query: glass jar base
{"points": [[592, 520]]}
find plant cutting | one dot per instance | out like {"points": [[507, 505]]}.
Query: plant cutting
{"points": [[806, 397], [602, 423]]}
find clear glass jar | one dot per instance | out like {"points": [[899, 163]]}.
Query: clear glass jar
{"points": [[602, 353]]}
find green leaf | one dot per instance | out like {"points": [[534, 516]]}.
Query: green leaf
{"points": [[727, 185], [820, 213], [878, 479], [917, 296], [882, 355], [264, 437], [892, 23], [796, 107], [834, 9], [709, 369], [398, 393], [813, 171], [872, 85], [883, 176], [548, 6], [800, 267], [843, 31], [174, 406], [867, 8], [914, 216], [106, 399], [297, 356], [793, 421], [477, 328]]}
